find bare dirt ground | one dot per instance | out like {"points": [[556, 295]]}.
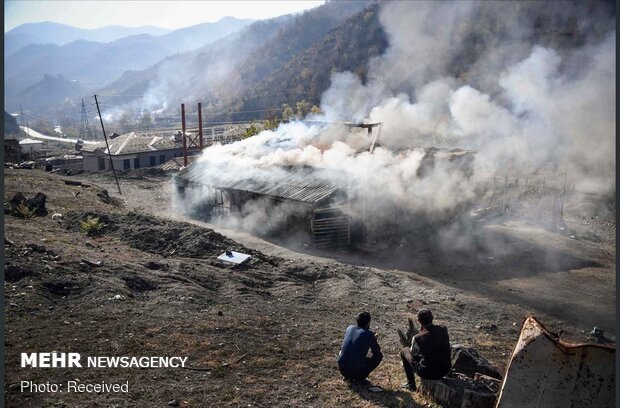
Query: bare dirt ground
{"points": [[268, 334]]}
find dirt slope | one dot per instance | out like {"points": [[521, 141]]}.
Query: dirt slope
{"points": [[277, 324]]}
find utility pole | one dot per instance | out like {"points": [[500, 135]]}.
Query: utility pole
{"points": [[84, 128], [200, 125], [21, 115], [183, 129], [107, 145]]}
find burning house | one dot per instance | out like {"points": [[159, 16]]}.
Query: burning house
{"points": [[323, 205], [312, 202]]}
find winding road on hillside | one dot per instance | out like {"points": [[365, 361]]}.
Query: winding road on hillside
{"points": [[36, 135]]}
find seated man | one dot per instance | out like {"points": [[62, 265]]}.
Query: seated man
{"points": [[353, 361], [429, 355]]}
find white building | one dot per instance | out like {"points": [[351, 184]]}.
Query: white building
{"points": [[131, 151], [30, 146]]}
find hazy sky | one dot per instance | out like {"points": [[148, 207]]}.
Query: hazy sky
{"points": [[166, 14]]}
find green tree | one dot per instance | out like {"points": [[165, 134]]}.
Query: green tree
{"points": [[271, 123], [303, 108], [287, 112], [249, 132]]}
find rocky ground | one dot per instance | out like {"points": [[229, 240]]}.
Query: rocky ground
{"points": [[266, 334]]}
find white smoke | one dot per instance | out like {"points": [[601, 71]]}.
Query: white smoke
{"points": [[520, 105]]}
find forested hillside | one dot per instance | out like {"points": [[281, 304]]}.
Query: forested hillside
{"points": [[306, 76], [251, 73]]}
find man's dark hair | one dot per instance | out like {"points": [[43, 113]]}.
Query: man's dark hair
{"points": [[425, 316], [363, 319]]}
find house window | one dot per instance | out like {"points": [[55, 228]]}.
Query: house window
{"points": [[152, 160], [126, 164], [136, 163], [162, 159]]}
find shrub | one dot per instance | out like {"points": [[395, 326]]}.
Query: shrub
{"points": [[92, 226], [23, 211]]}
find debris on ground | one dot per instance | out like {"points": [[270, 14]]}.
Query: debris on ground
{"points": [[22, 207], [546, 371], [466, 360], [76, 183], [92, 263], [234, 257], [161, 236], [116, 297], [105, 197], [210, 312], [457, 390]]}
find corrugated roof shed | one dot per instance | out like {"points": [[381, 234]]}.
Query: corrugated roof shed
{"points": [[133, 143], [304, 184]]}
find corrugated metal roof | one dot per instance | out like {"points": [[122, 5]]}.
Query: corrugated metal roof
{"points": [[133, 143], [305, 184]]}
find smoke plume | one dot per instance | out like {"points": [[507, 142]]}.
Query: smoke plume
{"points": [[481, 76]]}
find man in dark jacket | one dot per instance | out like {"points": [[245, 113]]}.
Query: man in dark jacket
{"points": [[353, 361], [429, 355]]}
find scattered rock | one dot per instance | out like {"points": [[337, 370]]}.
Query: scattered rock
{"points": [[36, 248], [458, 391], [59, 288], [173, 403], [134, 282], [105, 197], [76, 183], [92, 263], [22, 207], [154, 266], [13, 273], [162, 237], [467, 361]]}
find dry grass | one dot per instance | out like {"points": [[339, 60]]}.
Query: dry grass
{"points": [[288, 318], [389, 375]]}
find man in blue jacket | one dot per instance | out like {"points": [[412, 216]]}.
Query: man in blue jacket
{"points": [[353, 361]]}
